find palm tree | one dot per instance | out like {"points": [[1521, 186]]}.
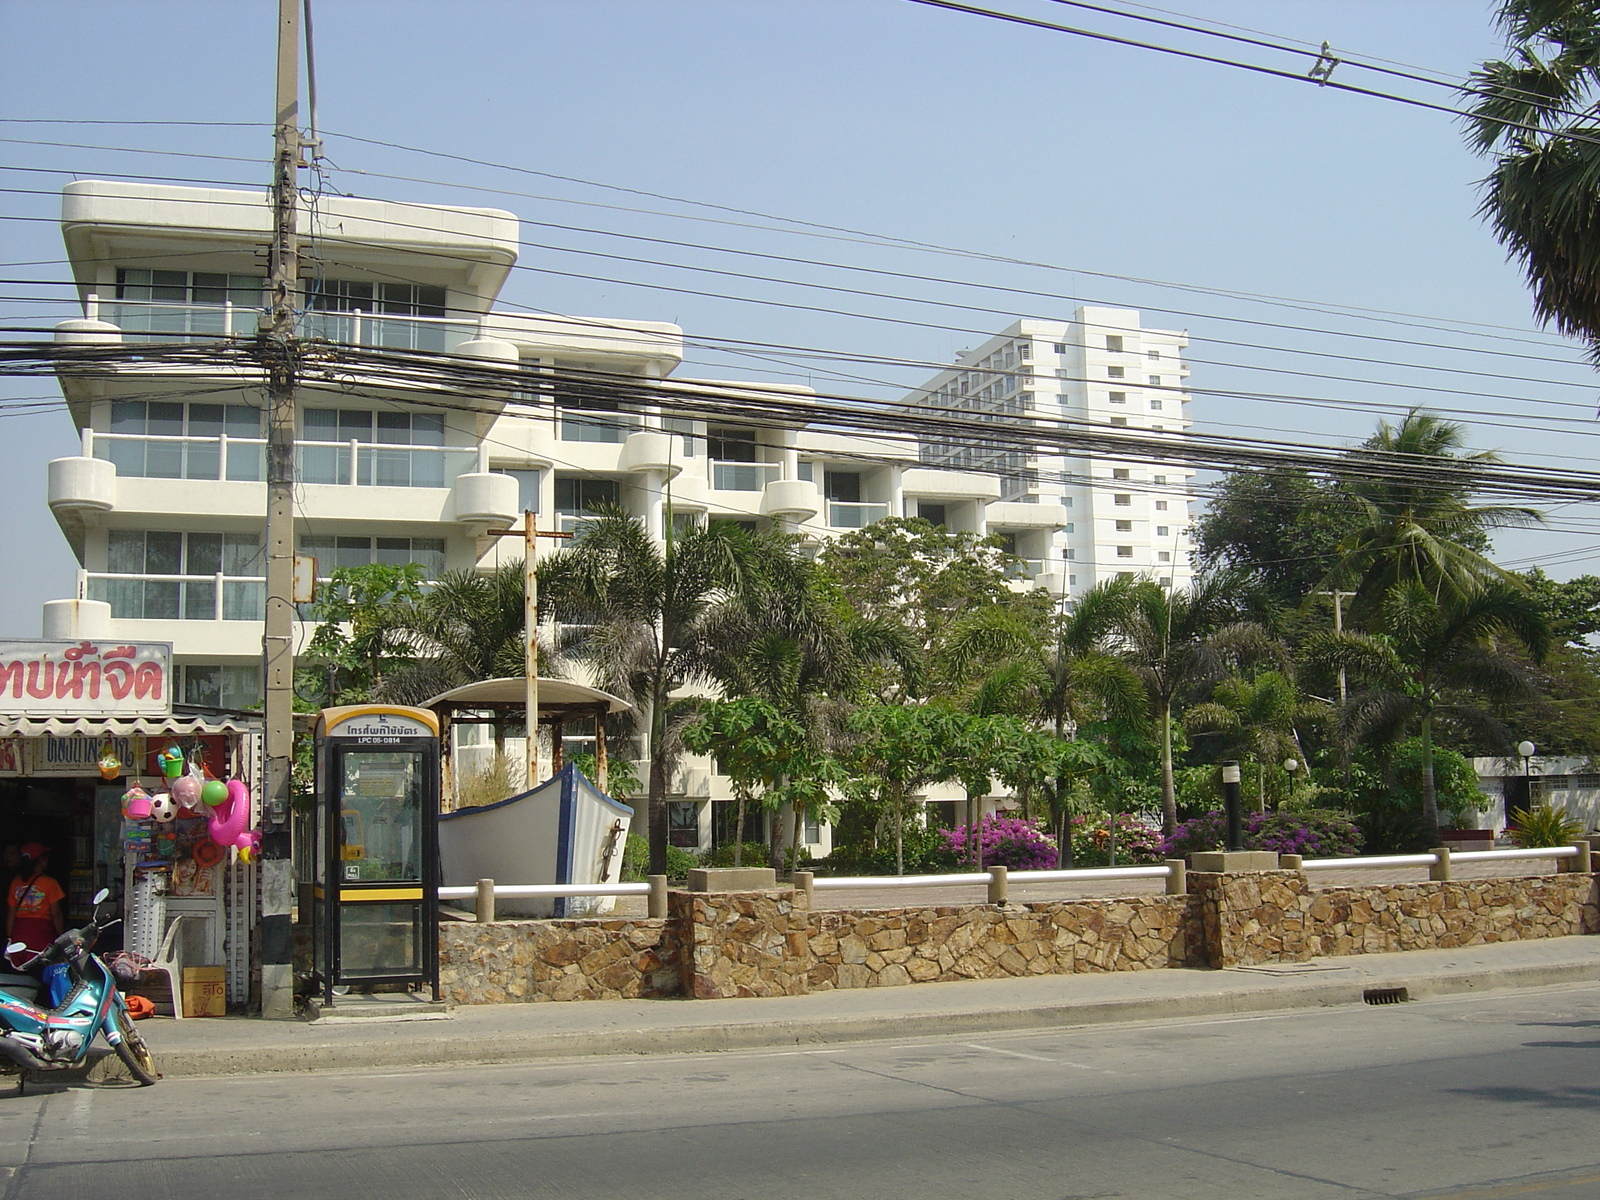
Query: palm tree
{"points": [[1428, 659], [1410, 485], [1177, 642], [645, 610], [1534, 114], [1254, 718]]}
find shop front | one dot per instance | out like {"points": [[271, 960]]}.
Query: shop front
{"points": [[132, 793]]}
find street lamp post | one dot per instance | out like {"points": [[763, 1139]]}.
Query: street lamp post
{"points": [[1526, 749], [1230, 804], [1290, 766]]}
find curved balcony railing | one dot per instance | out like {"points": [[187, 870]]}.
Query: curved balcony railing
{"points": [[364, 464]]}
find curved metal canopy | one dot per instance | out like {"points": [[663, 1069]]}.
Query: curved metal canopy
{"points": [[555, 693]]}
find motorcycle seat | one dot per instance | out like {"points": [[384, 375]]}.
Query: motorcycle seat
{"points": [[23, 987]]}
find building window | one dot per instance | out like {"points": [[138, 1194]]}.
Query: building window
{"points": [[1059, 347], [181, 306], [682, 522], [378, 314], [203, 431], [1114, 343], [1164, 555], [806, 470], [685, 429], [1161, 506], [1121, 473], [1124, 551], [1155, 406], [334, 552], [587, 418], [1162, 530], [392, 449], [1115, 373], [1153, 380], [1066, 502], [1024, 350], [1069, 555], [1124, 526], [1119, 420], [1158, 478], [175, 576], [1152, 354], [842, 486], [527, 486], [222, 686], [1067, 528], [683, 823], [731, 445], [1119, 397], [579, 498], [1072, 581], [1122, 499], [933, 514]]}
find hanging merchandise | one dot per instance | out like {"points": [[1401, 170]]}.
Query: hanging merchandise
{"points": [[171, 760], [110, 764], [136, 804], [207, 854], [162, 808], [186, 792], [229, 822], [213, 792]]}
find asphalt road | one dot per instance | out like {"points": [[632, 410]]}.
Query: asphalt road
{"points": [[1468, 1097]]}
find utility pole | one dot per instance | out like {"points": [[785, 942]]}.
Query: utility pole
{"points": [[1338, 627], [279, 349], [530, 534]]}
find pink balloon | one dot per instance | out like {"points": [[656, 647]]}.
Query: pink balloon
{"points": [[186, 791]]}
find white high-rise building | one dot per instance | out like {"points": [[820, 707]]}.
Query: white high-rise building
{"points": [[1098, 516], [164, 504]]}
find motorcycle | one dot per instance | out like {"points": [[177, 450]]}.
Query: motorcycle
{"points": [[39, 1039]]}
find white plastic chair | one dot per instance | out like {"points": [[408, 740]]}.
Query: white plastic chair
{"points": [[169, 959]]}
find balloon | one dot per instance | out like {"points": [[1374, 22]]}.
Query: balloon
{"points": [[186, 791], [213, 792], [136, 804]]}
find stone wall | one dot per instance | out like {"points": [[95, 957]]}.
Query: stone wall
{"points": [[501, 962], [930, 945], [1277, 916], [770, 943]]}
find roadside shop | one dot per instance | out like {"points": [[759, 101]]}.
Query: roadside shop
{"points": [[133, 793]]}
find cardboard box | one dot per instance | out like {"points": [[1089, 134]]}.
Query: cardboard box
{"points": [[205, 992]]}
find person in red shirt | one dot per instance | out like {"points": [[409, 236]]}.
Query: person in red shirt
{"points": [[33, 904]]}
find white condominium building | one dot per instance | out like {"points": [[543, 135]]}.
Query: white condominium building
{"points": [[163, 505], [1099, 516]]}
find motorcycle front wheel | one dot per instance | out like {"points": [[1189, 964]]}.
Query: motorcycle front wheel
{"points": [[135, 1055]]}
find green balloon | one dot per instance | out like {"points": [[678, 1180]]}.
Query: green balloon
{"points": [[214, 792]]}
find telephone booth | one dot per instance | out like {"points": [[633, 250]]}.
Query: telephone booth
{"points": [[376, 878]]}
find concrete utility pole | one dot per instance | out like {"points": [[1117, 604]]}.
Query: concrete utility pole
{"points": [[279, 348], [530, 534]]}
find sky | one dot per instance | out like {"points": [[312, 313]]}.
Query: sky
{"points": [[1322, 249]]}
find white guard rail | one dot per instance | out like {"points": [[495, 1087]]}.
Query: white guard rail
{"points": [[1396, 861], [484, 893]]}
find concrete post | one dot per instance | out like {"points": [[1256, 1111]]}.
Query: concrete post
{"points": [[803, 881], [656, 904], [1291, 862], [485, 907], [997, 885], [1440, 870], [1178, 881], [1580, 862]]}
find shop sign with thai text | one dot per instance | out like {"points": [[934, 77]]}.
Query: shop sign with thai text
{"points": [[81, 754], [85, 678]]}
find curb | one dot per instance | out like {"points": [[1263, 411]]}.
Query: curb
{"points": [[393, 1048]]}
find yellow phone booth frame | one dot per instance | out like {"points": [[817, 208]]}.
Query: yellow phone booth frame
{"points": [[377, 877]]}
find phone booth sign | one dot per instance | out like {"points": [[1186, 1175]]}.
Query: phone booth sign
{"points": [[376, 886]]}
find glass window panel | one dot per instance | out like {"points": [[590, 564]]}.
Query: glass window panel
{"points": [[393, 552], [352, 551], [355, 424], [165, 419], [202, 685], [160, 601], [394, 429], [427, 429], [169, 285], [205, 420], [163, 460], [128, 416], [199, 601], [127, 457], [731, 445], [843, 486], [382, 793], [210, 288], [205, 554], [431, 302], [241, 686], [125, 552], [163, 554], [379, 939], [324, 464], [428, 553], [241, 554], [247, 463], [133, 284], [243, 601], [527, 487], [320, 425], [428, 468], [201, 460], [242, 421], [388, 468]]}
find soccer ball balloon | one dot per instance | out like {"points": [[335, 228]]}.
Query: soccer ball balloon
{"points": [[162, 808]]}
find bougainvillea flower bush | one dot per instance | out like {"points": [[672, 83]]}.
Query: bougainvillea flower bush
{"points": [[1314, 833], [1007, 842]]}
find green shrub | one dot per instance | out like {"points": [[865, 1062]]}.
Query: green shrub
{"points": [[1543, 826], [636, 861], [926, 853], [751, 854]]}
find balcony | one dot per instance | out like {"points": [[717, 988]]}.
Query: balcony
{"points": [[156, 321], [796, 499], [371, 464], [743, 476], [81, 486], [842, 515], [483, 500], [154, 597]]}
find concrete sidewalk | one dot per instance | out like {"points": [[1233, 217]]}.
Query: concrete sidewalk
{"points": [[522, 1032]]}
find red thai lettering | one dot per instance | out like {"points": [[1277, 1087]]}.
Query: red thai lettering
{"points": [[35, 669], [11, 677], [121, 652], [74, 653], [147, 679], [83, 673], [119, 678]]}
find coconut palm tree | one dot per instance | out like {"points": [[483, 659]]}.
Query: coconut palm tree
{"points": [[644, 612], [1410, 484], [1430, 659], [1179, 641], [1252, 718], [1543, 195]]}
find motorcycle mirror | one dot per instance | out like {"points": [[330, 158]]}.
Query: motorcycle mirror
{"points": [[16, 947], [100, 896]]}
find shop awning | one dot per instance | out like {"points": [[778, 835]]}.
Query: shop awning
{"points": [[174, 725]]}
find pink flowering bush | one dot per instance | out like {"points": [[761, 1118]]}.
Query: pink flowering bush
{"points": [[1007, 842], [1138, 840]]}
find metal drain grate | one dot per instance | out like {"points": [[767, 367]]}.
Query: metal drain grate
{"points": [[1397, 995]]}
